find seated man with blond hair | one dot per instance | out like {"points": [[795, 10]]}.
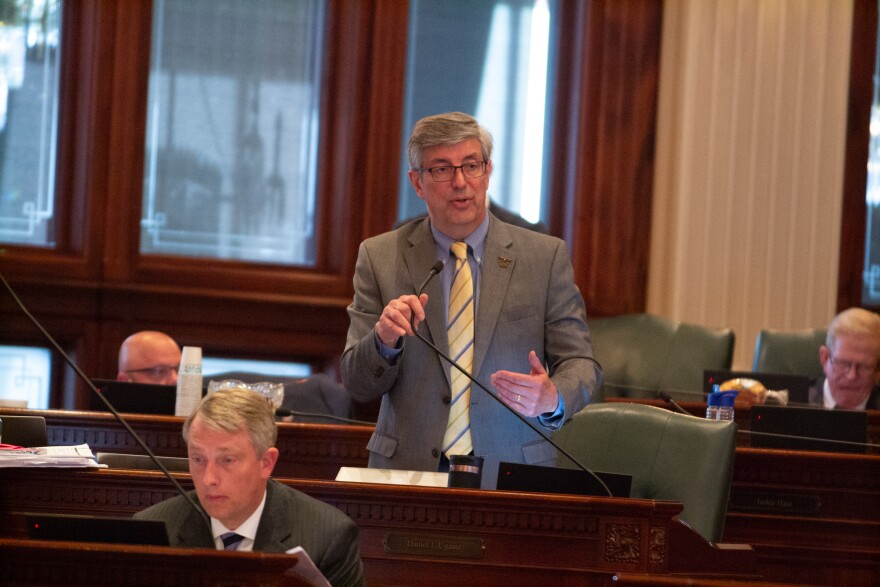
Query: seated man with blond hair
{"points": [[850, 358], [230, 439]]}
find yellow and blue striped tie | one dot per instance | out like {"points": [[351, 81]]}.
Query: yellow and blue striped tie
{"points": [[460, 330]]}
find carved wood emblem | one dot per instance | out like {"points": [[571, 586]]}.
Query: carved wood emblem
{"points": [[622, 543]]}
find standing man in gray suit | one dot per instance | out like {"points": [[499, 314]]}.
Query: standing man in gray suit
{"points": [[526, 320], [230, 439]]}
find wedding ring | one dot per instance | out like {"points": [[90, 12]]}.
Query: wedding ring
{"points": [[518, 397]]}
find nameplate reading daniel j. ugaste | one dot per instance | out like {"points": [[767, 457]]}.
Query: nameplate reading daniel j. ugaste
{"points": [[433, 545]]}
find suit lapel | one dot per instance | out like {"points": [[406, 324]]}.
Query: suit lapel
{"points": [[273, 534], [499, 258], [194, 532], [420, 257]]}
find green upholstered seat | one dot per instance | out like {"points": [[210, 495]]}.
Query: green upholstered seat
{"points": [[641, 354], [793, 352], [670, 456]]}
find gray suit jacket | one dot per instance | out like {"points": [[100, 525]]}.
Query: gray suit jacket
{"points": [[290, 518], [527, 301]]}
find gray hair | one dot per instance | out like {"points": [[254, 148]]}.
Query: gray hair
{"points": [[446, 129], [238, 409], [854, 322]]}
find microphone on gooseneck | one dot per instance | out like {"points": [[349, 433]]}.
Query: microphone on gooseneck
{"points": [[107, 403], [668, 399], [284, 413], [435, 269]]}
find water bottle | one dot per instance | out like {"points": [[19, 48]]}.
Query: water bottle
{"points": [[719, 405], [189, 381]]}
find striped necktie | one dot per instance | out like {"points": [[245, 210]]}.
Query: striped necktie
{"points": [[231, 540], [460, 331]]}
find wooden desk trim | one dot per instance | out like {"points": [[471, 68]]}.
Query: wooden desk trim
{"points": [[44, 562], [572, 536]]}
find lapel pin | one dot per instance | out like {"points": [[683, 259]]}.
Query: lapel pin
{"points": [[503, 262]]}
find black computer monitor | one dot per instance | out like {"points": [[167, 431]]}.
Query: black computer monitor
{"points": [[535, 478], [135, 398], [803, 428], [96, 529], [27, 431]]}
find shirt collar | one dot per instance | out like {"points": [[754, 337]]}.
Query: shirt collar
{"points": [[475, 240], [829, 402], [248, 528]]}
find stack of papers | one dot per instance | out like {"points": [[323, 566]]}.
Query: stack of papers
{"points": [[50, 456], [305, 569]]}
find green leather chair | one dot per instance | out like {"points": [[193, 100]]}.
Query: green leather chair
{"points": [[670, 456], [793, 352], [642, 354]]}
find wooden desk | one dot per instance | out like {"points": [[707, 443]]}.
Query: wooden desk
{"points": [[38, 562], [440, 536], [813, 517], [810, 516]]}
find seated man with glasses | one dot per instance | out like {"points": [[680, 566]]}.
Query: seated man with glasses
{"points": [[149, 357], [850, 359]]}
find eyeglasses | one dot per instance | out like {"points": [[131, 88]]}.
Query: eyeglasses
{"points": [[471, 170], [845, 367], [157, 372]]}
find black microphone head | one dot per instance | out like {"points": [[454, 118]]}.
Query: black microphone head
{"points": [[437, 267], [664, 396]]}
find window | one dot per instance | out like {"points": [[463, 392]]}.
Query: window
{"points": [[491, 60], [29, 57], [24, 376], [871, 275], [232, 127], [213, 366]]}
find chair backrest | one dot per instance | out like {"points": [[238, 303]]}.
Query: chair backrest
{"points": [[651, 353], [141, 462], [795, 352], [310, 397], [670, 456], [27, 431]]}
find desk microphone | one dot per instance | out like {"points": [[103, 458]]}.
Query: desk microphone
{"points": [[107, 403], [282, 413], [435, 269], [813, 439], [668, 399]]}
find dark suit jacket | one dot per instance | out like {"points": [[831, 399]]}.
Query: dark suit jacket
{"points": [[817, 398], [527, 301], [290, 518]]}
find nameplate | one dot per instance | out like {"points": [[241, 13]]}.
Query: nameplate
{"points": [[433, 545], [775, 502]]}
